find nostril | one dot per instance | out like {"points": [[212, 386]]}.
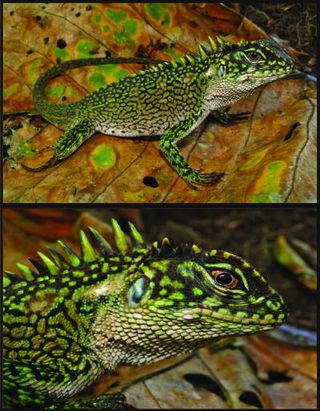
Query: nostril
{"points": [[276, 304]]}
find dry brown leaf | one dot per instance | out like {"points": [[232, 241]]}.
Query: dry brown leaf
{"points": [[270, 158]]}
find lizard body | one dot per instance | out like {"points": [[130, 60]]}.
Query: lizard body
{"points": [[169, 99], [80, 317]]}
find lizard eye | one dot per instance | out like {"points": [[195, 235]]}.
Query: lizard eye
{"points": [[224, 278], [137, 291], [253, 56]]}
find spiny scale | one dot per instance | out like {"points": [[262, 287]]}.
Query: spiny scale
{"points": [[99, 242], [90, 251], [190, 59], [94, 249]]}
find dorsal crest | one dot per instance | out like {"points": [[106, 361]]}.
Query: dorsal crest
{"points": [[216, 46], [92, 247]]}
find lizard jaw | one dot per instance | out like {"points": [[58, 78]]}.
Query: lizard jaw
{"points": [[206, 312]]}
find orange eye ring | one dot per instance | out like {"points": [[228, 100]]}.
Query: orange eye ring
{"points": [[225, 279]]}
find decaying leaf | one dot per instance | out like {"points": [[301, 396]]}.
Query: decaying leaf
{"points": [[269, 158], [288, 256]]}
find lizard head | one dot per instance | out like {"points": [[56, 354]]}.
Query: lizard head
{"points": [[174, 300], [140, 304], [238, 69], [214, 288]]}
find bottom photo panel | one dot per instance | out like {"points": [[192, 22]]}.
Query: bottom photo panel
{"points": [[130, 308]]}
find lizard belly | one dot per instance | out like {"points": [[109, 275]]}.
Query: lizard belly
{"points": [[135, 127]]}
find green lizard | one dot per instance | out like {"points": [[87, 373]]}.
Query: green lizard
{"points": [[169, 99], [78, 318]]}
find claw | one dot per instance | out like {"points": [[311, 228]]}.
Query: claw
{"points": [[209, 178], [204, 179], [242, 116], [229, 118], [193, 187]]}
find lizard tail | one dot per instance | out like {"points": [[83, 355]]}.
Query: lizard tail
{"points": [[49, 164]]}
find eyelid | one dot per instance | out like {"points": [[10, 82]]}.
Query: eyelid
{"points": [[234, 282], [253, 62]]}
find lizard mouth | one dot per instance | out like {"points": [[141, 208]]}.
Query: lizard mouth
{"points": [[239, 317]]}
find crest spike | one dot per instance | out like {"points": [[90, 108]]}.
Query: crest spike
{"points": [[212, 44], [136, 235], [202, 51], [196, 249], [100, 243], [190, 59], [183, 61], [220, 41], [26, 271], [121, 241], [74, 260], [53, 269], [155, 248], [88, 253], [174, 63], [58, 258], [166, 248]]}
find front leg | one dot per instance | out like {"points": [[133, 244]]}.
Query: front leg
{"points": [[68, 142], [169, 149]]}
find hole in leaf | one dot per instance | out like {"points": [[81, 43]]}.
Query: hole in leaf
{"points": [[250, 398], [277, 376], [150, 182], [289, 135], [204, 381], [61, 44]]}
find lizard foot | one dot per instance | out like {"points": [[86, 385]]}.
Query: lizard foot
{"points": [[203, 179], [229, 118]]}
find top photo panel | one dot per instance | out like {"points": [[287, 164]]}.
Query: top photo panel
{"points": [[159, 103]]}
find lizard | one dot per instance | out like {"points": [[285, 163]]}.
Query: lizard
{"points": [[76, 318], [169, 99]]}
